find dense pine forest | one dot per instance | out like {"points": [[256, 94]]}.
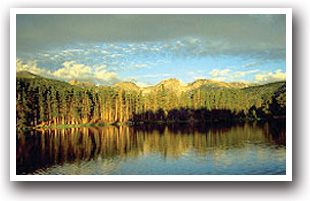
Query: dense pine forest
{"points": [[42, 102]]}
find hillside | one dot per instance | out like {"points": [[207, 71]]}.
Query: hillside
{"points": [[171, 84], [82, 84], [128, 86], [176, 86], [25, 74], [41, 101]]}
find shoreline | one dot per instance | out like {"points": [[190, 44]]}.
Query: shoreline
{"points": [[104, 124]]}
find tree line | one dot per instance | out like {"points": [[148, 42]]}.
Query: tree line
{"points": [[46, 102]]}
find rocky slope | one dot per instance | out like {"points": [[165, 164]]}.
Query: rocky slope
{"points": [[179, 87], [128, 86], [170, 84], [25, 74], [82, 84]]}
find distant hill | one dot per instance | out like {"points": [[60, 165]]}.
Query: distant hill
{"points": [[266, 91], [25, 74], [44, 102], [178, 87], [82, 84], [128, 86], [171, 84]]}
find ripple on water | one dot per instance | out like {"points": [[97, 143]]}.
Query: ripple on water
{"points": [[231, 150]]}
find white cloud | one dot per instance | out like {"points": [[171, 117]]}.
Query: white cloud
{"points": [[105, 76], [154, 49], [45, 55], [220, 78], [192, 40], [224, 72], [55, 57], [141, 84], [114, 55], [132, 49], [165, 46], [215, 72], [68, 64], [157, 62], [145, 48], [238, 74], [141, 66], [78, 71], [155, 75], [72, 52], [271, 77], [31, 66], [199, 77], [72, 71], [229, 75], [252, 64], [133, 66], [99, 68], [116, 47]]}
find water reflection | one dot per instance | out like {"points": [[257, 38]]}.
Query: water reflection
{"points": [[192, 148]]}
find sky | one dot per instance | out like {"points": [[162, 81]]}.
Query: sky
{"points": [[146, 49]]}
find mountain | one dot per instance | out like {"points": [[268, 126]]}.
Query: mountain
{"points": [[42, 102], [171, 84], [243, 84], [82, 83], [270, 90], [127, 86], [178, 87], [25, 74]]}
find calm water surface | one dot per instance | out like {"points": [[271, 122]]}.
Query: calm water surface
{"points": [[182, 149]]}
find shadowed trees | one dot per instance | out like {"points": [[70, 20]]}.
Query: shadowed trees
{"points": [[41, 102]]}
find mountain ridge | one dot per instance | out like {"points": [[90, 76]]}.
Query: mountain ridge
{"points": [[26, 74], [170, 84], [42, 101]]}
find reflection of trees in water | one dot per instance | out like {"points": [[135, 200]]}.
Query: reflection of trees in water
{"points": [[44, 148], [275, 130]]}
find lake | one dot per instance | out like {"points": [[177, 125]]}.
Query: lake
{"points": [[257, 148]]}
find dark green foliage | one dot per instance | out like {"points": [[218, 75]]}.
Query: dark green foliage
{"points": [[44, 102]]}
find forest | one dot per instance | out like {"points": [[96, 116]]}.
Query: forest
{"points": [[43, 102]]}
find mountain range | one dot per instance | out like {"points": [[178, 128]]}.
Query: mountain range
{"points": [[170, 84], [43, 101]]}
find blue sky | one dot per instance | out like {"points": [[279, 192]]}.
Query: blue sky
{"points": [[146, 49]]}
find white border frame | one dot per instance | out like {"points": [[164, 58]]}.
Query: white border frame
{"points": [[287, 177]]}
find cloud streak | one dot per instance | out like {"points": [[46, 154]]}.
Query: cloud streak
{"points": [[140, 28], [252, 64], [153, 46], [239, 74], [71, 70], [278, 75], [229, 75], [155, 75], [256, 36], [216, 72]]}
